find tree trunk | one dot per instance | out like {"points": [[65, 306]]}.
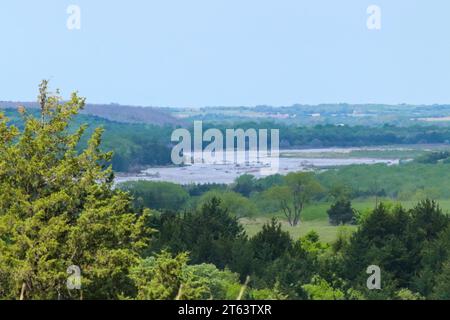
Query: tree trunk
{"points": [[22, 291], [243, 288]]}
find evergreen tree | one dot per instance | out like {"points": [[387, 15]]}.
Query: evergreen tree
{"points": [[341, 212], [58, 209]]}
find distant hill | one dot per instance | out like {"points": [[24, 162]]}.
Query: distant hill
{"points": [[116, 112], [323, 114]]}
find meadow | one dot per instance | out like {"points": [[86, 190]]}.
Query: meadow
{"points": [[315, 218]]}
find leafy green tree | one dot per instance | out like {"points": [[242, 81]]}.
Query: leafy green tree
{"points": [[292, 197], [234, 203], [58, 209], [268, 182], [311, 243], [320, 289], [167, 277], [221, 284], [340, 191], [164, 277], [244, 185]]}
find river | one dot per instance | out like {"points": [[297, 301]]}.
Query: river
{"points": [[227, 173]]}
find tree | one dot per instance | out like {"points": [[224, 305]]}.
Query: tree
{"points": [[320, 289], [58, 209], [245, 185], [209, 233], [295, 194], [282, 263], [271, 242], [411, 248], [236, 204], [434, 256], [164, 277], [442, 289], [340, 191], [341, 212], [380, 240], [221, 284]]}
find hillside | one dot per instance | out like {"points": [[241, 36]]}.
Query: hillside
{"points": [[115, 112]]}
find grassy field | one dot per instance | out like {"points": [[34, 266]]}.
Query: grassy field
{"points": [[326, 232], [315, 218], [381, 152]]}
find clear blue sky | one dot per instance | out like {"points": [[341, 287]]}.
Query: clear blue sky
{"points": [[228, 52]]}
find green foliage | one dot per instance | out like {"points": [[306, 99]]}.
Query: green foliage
{"points": [[409, 181], [433, 157], [271, 242], [234, 203], [135, 146], [244, 185], [295, 194], [156, 195], [222, 285], [209, 234], [58, 209], [279, 262], [320, 289], [168, 278], [358, 134], [268, 294], [341, 212], [398, 242], [442, 289], [406, 294], [311, 243], [342, 239], [435, 255]]}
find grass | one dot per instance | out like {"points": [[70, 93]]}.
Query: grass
{"points": [[326, 232], [315, 218]]}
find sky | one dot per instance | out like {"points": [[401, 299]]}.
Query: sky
{"points": [[195, 53]]}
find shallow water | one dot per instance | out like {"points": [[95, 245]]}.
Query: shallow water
{"points": [[227, 173]]}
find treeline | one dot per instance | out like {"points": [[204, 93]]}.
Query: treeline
{"points": [[294, 136], [137, 146], [250, 197], [409, 181]]}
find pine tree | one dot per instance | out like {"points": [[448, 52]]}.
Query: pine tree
{"points": [[58, 209]]}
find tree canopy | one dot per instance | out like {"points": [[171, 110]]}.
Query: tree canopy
{"points": [[58, 209]]}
